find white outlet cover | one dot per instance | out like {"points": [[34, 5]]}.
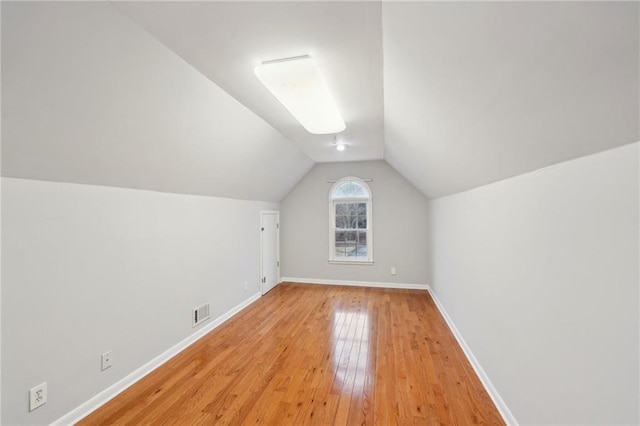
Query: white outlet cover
{"points": [[37, 396], [106, 360]]}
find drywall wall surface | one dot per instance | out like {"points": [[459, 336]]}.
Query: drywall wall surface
{"points": [[540, 275], [0, 223], [91, 97], [399, 226], [87, 269]]}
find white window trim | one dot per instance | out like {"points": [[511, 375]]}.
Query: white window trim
{"points": [[332, 222]]}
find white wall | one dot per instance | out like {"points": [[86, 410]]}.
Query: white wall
{"points": [[1, 314], [399, 227], [90, 97], [88, 269], [540, 275]]}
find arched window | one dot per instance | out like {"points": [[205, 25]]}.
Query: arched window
{"points": [[350, 219]]}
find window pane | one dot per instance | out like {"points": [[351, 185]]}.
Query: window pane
{"points": [[339, 247], [362, 237], [350, 243], [362, 208], [361, 244], [350, 218], [350, 249], [340, 209], [341, 222], [362, 222], [350, 189]]}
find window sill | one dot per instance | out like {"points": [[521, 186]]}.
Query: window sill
{"points": [[350, 262]]}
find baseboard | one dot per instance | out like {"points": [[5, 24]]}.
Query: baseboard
{"points": [[506, 414], [109, 393], [112, 391], [409, 286], [504, 411]]}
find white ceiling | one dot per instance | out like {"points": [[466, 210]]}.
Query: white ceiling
{"points": [[453, 95], [477, 92], [226, 40], [90, 97]]}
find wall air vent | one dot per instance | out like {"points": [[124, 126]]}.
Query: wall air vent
{"points": [[200, 314]]}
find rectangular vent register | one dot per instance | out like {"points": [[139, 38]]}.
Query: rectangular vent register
{"points": [[201, 314]]}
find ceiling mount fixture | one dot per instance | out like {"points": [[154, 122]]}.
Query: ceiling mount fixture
{"points": [[339, 146], [297, 83]]}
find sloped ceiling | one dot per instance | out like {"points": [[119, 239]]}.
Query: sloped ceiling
{"points": [[227, 40], [90, 97], [454, 95], [477, 92]]}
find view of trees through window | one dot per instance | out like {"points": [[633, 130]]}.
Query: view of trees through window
{"points": [[350, 211], [351, 229]]}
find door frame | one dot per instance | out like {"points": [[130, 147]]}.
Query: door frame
{"points": [[264, 213]]}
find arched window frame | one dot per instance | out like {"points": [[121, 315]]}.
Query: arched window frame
{"points": [[333, 202]]}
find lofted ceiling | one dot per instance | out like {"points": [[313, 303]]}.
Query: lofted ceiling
{"points": [[226, 40], [454, 95], [90, 97], [482, 91]]}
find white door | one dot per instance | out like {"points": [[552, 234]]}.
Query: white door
{"points": [[269, 250]]}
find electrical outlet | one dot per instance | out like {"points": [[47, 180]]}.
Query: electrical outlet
{"points": [[393, 270], [37, 396], [106, 360]]}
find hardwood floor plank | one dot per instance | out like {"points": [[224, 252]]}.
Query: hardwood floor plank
{"points": [[312, 354]]}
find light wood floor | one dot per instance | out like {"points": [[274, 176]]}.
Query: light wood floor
{"points": [[311, 354]]}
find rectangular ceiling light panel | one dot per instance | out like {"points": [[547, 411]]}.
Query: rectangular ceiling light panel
{"points": [[299, 86]]}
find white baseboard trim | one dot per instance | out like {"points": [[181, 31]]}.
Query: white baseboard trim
{"points": [[506, 414], [109, 393], [504, 411], [408, 286]]}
